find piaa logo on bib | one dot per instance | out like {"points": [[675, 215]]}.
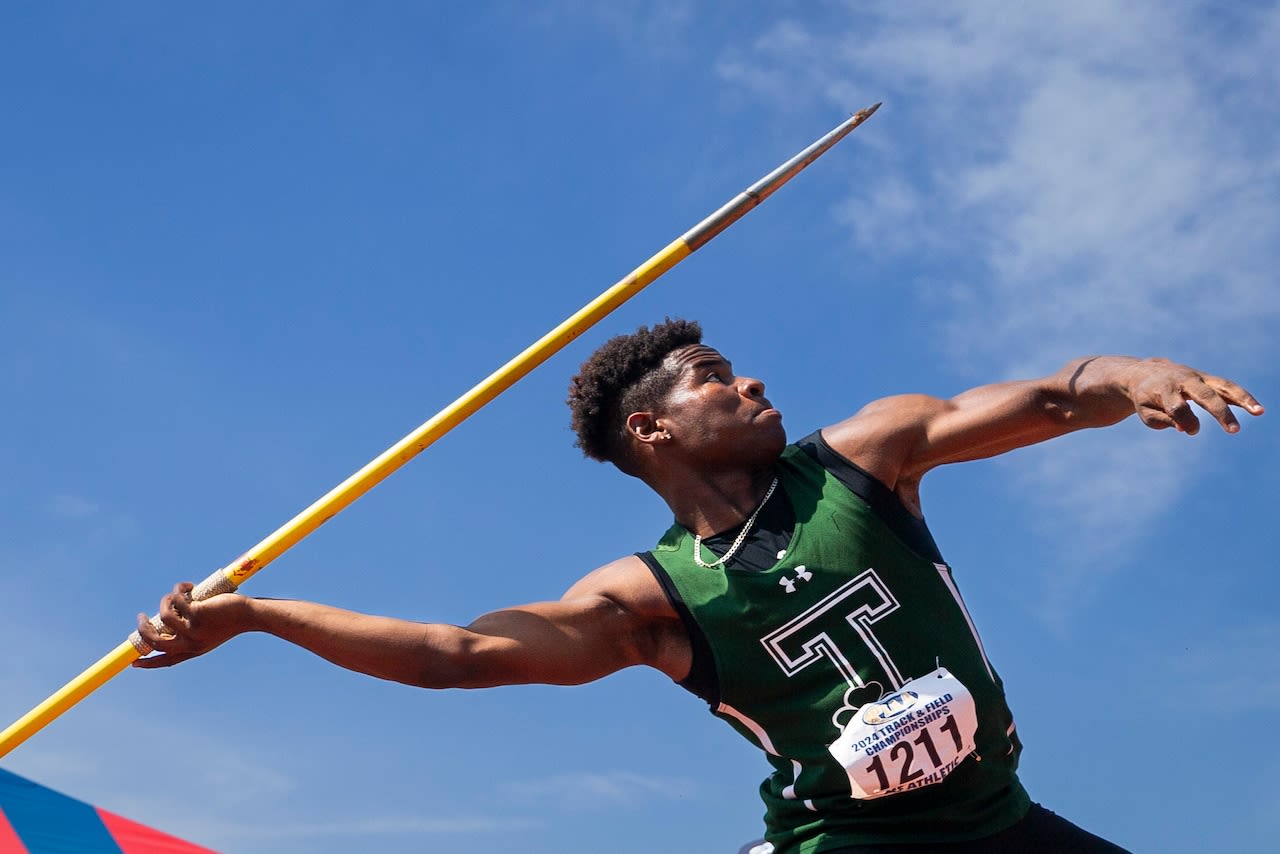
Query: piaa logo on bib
{"points": [[889, 708]]}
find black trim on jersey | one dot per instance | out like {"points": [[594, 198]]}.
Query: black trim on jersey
{"points": [[702, 681], [909, 528]]}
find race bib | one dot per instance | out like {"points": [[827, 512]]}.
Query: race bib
{"points": [[912, 738]]}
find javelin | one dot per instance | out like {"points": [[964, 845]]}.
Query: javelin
{"points": [[230, 577]]}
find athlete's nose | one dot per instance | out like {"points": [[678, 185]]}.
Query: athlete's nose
{"points": [[750, 387]]}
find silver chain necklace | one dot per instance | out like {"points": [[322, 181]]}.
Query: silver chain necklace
{"points": [[738, 541]]}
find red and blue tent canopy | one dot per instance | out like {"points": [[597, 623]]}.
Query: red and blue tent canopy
{"points": [[35, 819]]}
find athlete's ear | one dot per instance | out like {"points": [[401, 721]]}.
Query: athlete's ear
{"points": [[646, 427]]}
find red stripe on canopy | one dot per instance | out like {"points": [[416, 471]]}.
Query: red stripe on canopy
{"points": [[134, 838], [9, 841]]}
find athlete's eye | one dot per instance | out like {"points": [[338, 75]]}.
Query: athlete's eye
{"points": [[714, 377]]}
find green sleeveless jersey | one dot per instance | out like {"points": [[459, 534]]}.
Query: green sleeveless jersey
{"points": [[839, 635]]}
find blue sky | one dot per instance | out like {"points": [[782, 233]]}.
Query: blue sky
{"points": [[243, 250]]}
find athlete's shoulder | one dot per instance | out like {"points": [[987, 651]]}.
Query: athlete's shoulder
{"points": [[631, 588]]}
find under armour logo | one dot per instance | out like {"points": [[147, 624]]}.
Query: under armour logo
{"points": [[802, 574]]}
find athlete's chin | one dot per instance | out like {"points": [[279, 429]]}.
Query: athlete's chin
{"points": [[764, 440], [776, 439]]}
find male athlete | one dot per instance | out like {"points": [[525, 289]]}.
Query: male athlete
{"points": [[798, 591]]}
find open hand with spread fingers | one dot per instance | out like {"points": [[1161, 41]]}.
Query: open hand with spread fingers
{"points": [[1163, 391]]}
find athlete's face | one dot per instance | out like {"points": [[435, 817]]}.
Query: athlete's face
{"points": [[717, 415]]}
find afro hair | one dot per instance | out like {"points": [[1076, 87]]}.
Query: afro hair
{"points": [[620, 378]]}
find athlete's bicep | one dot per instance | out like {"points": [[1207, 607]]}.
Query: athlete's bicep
{"points": [[575, 640], [900, 438]]}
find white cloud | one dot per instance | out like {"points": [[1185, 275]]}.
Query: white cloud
{"points": [[891, 216], [782, 66], [1089, 177], [1090, 157], [1099, 514], [655, 25]]}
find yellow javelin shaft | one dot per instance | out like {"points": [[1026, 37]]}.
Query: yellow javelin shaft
{"points": [[287, 535]]}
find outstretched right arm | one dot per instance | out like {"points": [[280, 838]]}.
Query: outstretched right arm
{"points": [[616, 617]]}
